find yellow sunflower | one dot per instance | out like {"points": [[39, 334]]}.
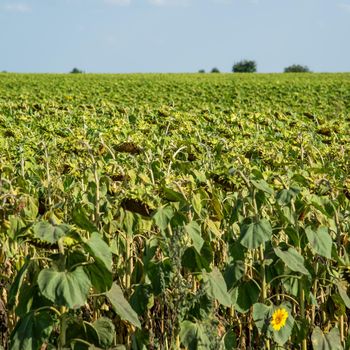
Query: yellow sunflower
{"points": [[279, 319]]}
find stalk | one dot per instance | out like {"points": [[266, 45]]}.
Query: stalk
{"points": [[22, 166], [97, 196], [128, 262], [341, 328], [263, 276], [48, 178], [301, 283], [302, 310], [178, 341], [63, 328], [263, 287]]}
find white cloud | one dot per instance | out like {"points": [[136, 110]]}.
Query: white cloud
{"points": [[169, 2], [344, 7], [118, 2], [17, 7]]}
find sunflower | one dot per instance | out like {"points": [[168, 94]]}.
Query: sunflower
{"points": [[279, 319]]}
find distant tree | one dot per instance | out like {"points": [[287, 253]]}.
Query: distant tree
{"points": [[201, 71], [76, 71], [215, 70], [297, 68], [244, 66]]}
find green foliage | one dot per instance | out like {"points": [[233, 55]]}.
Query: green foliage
{"points": [[329, 341], [121, 306], [31, 331], [65, 288], [215, 70], [244, 66], [255, 233], [296, 68], [174, 210]]}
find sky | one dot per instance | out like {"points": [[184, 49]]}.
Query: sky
{"points": [[130, 36]]}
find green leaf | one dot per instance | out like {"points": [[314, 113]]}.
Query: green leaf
{"points": [[216, 288], [121, 306], [229, 341], [197, 203], [100, 271], [188, 334], [292, 259], [344, 295], [77, 330], [193, 336], [16, 224], [262, 185], [213, 227], [81, 219], [101, 278], [66, 288], [256, 233], [234, 272], [320, 241], [47, 232], [99, 250], [245, 295], [261, 315], [17, 283], [129, 222], [194, 231], [284, 197], [329, 341], [172, 195], [163, 216], [31, 331], [105, 330], [142, 298]]}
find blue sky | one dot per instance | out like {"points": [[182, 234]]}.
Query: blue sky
{"points": [[121, 36]]}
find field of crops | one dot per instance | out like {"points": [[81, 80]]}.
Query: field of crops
{"points": [[204, 211]]}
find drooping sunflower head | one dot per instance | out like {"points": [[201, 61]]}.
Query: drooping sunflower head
{"points": [[279, 318]]}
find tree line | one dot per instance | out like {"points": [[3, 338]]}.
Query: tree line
{"points": [[250, 66], [244, 66]]}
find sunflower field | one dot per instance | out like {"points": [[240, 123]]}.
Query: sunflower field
{"points": [[174, 211]]}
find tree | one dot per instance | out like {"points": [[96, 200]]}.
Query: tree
{"points": [[201, 71], [215, 70], [244, 66], [297, 68], [76, 71]]}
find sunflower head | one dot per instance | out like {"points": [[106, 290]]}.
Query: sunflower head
{"points": [[279, 319]]}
